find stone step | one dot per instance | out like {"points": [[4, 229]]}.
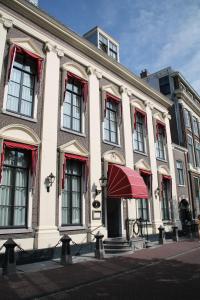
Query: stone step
{"points": [[115, 241], [116, 246], [117, 251]]}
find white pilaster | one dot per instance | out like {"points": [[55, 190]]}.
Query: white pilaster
{"points": [[95, 140], [127, 128], [5, 24], [47, 234], [155, 205], [172, 169], [128, 145]]}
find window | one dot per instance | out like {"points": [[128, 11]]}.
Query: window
{"points": [[165, 200], [14, 189], [72, 194], [143, 210], [110, 122], [179, 166], [72, 106], [197, 193], [21, 86], [112, 50], [195, 126], [103, 43], [187, 118], [197, 150], [190, 150], [139, 139], [164, 85], [160, 145]]}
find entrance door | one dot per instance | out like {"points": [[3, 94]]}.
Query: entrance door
{"points": [[114, 217]]}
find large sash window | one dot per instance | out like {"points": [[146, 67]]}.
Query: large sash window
{"points": [[72, 107], [111, 122], [21, 86], [72, 193], [166, 196], [14, 189]]}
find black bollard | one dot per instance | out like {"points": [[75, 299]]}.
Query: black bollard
{"points": [[66, 257], [175, 233], [99, 251], [161, 237], [189, 230], [9, 261]]}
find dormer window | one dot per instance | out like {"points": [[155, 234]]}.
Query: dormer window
{"points": [[103, 43], [113, 50]]}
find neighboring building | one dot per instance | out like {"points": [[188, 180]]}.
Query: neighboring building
{"points": [[69, 110], [185, 130]]}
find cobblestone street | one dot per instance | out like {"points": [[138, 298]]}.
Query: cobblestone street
{"points": [[171, 271]]}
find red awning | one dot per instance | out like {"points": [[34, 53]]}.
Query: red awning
{"points": [[145, 172], [167, 177], [125, 183]]}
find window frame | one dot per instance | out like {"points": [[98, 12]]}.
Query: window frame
{"points": [[166, 86], [71, 175], [161, 144], [190, 146], [195, 190], [72, 93], [28, 202], [197, 153], [141, 209], [21, 85], [181, 173], [195, 127], [140, 122], [116, 122], [165, 203], [187, 119]]}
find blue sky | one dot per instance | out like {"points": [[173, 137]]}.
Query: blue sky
{"points": [[153, 34]]}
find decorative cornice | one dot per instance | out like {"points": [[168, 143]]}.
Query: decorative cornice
{"points": [[49, 47], [59, 52], [89, 70], [166, 116], [122, 89], [149, 104], [7, 23], [98, 74]]}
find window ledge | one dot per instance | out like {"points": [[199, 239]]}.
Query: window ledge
{"points": [[142, 153], [112, 144], [72, 228], [73, 132], [16, 230], [160, 159], [181, 185], [18, 116]]}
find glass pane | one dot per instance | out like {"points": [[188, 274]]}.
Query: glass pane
{"points": [[67, 108], [27, 94], [106, 133], [76, 125], [16, 75], [30, 65], [13, 89], [76, 112], [68, 97], [19, 216], [113, 137], [26, 108], [28, 80], [12, 103], [18, 61], [66, 121]]}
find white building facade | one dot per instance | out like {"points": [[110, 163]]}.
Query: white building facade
{"points": [[71, 115]]}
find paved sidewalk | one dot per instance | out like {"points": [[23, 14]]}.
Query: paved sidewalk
{"points": [[30, 283]]}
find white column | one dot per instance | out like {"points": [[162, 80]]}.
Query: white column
{"points": [[95, 142], [127, 128], [47, 234], [128, 145], [155, 205], [175, 214], [5, 24]]}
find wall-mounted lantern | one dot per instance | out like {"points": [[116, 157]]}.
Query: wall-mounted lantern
{"points": [[49, 181]]}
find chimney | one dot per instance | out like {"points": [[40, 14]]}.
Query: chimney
{"points": [[144, 73]]}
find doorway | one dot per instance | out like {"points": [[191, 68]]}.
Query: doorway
{"points": [[114, 217]]}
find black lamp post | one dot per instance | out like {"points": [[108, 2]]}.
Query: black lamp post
{"points": [[49, 181]]}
